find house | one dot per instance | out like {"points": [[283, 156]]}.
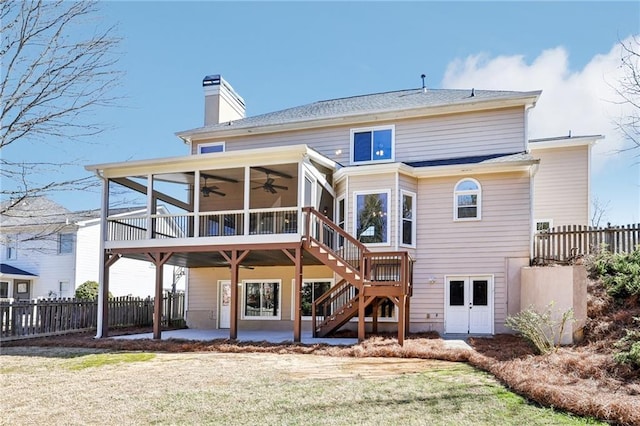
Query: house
{"points": [[47, 251], [412, 209]]}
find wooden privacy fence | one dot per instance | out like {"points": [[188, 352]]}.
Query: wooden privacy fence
{"points": [[49, 317], [565, 244]]}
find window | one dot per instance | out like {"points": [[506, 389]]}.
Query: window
{"points": [[261, 300], [466, 200], [11, 249], [371, 217], [65, 243], [4, 290], [311, 290], [372, 144], [408, 219], [207, 148], [544, 225], [340, 220]]}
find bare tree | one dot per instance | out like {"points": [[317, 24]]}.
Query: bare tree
{"points": [[58, 70], [598, 210], [628, 89]]}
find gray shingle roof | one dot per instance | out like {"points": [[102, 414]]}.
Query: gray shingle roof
{"points": [[366, 104], [478, 159]]}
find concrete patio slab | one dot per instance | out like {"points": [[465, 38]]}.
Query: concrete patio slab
{"points": [[457, 342], [243, 336]]}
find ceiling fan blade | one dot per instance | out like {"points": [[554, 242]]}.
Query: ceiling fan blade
{"points": [[221, 194], [258, 187], [272, 189], [284, 188]]}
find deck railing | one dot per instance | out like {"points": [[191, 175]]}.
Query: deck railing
{"points": [[210, 224], [565, 244]]}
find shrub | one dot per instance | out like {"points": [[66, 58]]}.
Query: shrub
{"points": [[629, 347], [88, 290], [540, 329], [619, 272]]}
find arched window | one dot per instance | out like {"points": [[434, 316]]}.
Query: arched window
{"points": [[467, 200]]}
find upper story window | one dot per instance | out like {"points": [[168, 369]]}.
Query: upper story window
{"points": [[207, 148], [11, 249], [373, 144], [65, 243], [467, 200]]}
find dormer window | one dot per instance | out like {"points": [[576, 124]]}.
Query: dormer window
{"points": [[466, 200], [373, 144], [208, 148]]}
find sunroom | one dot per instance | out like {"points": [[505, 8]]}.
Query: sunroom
{"points": [[242, 197]]}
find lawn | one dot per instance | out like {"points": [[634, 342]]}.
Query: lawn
{"points": [[93, 386]]}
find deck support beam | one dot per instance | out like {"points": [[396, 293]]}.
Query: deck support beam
{"points": [[234, 258], [158, 259]]}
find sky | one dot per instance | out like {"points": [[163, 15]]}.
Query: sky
{"points": [[278, 55]]}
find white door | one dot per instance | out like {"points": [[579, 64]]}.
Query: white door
{"points": [[469, 307], [224, 304]]}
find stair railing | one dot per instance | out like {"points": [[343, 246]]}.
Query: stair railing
{"points": [[392, 268], [326, 307], [324, 232]]}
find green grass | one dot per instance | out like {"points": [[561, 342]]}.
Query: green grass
{"points": [[100, 360]]}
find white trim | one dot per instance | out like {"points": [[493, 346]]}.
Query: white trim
{"points": [[332, 282], [374, 129], [477, 192], [244, 291], [396, 202], [414, 205], [569, 141], [205, 145], [388, 214]]}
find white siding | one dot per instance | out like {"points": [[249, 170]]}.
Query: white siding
{"points": [[480, 247], [127, 277], [561, 190], [446, 136], [40, 257]]}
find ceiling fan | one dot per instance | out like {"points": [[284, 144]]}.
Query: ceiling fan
{"points": [[207, 190], [269, 186]]}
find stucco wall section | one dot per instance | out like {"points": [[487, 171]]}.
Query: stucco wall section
{"points": [[566, 287]]}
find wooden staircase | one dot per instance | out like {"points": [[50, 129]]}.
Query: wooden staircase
{"points": [[367, 277]]}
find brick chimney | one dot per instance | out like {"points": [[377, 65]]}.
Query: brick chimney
{"points": [[221, 102]]}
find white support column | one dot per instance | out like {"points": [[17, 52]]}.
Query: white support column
{"points": [[247, 199], [150, 206], [104, 233], [196, 204]]}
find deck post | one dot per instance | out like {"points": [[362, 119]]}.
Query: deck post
{"points": [[158, 259], [297, 305], [402, 304], [361, 308]]}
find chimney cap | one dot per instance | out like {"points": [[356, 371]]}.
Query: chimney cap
{"points": [[211, 80]]}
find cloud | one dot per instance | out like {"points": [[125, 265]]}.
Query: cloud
{"points": [[582, 101]]}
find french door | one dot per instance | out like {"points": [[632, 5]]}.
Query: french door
{"points": [[469, 304]]}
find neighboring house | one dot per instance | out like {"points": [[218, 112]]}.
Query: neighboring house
{"points": [[422, 205], [47, 251]]}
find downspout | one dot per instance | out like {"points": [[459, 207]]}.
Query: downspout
{"points": [[532, 222], [103, 237]]}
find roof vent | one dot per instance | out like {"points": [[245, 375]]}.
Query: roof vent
{"points": [[424, 87]]}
